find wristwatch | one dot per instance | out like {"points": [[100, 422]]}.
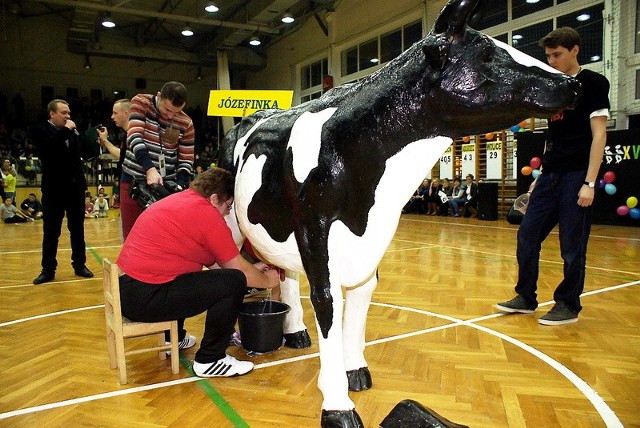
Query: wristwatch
{"points": [[591, 184]]}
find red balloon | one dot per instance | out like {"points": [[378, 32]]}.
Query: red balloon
{"points": [[535, 162], [526, 170], [489, 136], [466, 139], [609, 177], [523, 124], [622, 210]]}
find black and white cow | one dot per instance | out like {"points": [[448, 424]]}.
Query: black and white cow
{"points": [[320, 187]]}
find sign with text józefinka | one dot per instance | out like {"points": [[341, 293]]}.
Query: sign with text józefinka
{"points": [[241, 103]]}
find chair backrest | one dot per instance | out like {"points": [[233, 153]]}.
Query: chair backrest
{"points": [[111, 284]]}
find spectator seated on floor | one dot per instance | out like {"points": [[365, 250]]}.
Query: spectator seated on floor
{"points": [[31, 207], [10, 213], [444, 195], [417, 203], [432, 197], [459, 197], [89, 211], [101, 206], [471, 204]]}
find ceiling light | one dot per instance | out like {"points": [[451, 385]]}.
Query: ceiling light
{"points": [[87, 62], [287, 18], [254, 41], [532, 1], [108, 22], [211, 7], [187, 31], [583, 17], [595, 58], [517, 37], [199, 75], [374, 60]]}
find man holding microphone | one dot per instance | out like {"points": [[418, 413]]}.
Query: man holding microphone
{"points": [[63, 186]]}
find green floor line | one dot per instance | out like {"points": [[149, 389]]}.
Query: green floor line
{"points": [[215, 396]]}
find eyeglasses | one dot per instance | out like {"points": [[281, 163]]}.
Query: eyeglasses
{"points": [[228, 205]]}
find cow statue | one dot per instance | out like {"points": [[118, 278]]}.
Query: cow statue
{"points": [[320, 187]]}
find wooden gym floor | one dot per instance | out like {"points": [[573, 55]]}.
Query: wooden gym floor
{"points": [[432, 336]]}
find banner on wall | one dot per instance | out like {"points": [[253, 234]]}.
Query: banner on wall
{"points": [[232, 103], [494, 160], [446, 163], [469, 159]]}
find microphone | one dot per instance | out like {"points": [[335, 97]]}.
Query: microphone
{"points": [[75, 131]]}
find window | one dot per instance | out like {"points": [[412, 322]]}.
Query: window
{"points": [[311, 79], [588, 22], [526, 39], [380, 50], [520, 8], [495, 13]]}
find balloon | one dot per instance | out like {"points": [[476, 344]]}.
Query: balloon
{"points": [[609, 177], [489, 135], [601, 184], [526, 170], [610, 189], [213, 164], [634, 213], [466, 139], [28, 168], [514, 128], [535, 162], [523, 124], [632, 201], [535, 173], [622, 210]]}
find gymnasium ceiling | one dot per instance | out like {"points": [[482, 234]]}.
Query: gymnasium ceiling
{"points": [[151, 30]]}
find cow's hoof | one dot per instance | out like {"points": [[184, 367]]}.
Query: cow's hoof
{"points": [[297, 340], [340, 419], [409, 413], [359, 379]]}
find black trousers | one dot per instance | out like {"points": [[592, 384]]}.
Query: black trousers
{"points": [[69, 201], [219, 292]]}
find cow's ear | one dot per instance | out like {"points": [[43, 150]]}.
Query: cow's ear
{"points": [[454, 17], [437, 54]]}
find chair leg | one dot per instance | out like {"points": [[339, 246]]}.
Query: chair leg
{"points": [[161, 342], [122, 364], [175, 356], [111, 348]]}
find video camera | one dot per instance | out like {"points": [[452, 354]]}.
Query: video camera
{"points": [[146, 194]]}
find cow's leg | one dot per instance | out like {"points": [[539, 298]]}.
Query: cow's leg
{"points": [[326, 298], [338, 409], [355, 320], [295, 332]]}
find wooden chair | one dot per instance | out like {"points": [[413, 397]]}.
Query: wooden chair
{"points": [[120, 328]]}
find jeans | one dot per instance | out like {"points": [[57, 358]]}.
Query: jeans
{"points": [[218, 291], [455, 204], [554, 202]]}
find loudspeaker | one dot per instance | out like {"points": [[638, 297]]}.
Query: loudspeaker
{"points": [[141, 83], [488, 201]]}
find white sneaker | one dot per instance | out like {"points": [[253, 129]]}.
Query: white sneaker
{"points": [[225, 367], [188, 342]]}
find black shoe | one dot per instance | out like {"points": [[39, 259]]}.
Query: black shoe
{"points": [[45, 276], [84, 272]]}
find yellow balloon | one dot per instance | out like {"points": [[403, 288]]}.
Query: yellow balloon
{"points": [[632, 201]]}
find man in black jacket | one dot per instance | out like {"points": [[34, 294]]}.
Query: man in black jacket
{"points": [[63, 187]]}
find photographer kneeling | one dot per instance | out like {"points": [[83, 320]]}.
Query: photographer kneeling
{"points": [[162, 260]]}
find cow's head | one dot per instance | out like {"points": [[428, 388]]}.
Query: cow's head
{"points": [[478, 83]]}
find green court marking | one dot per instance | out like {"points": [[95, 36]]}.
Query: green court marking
{"points": [[215, 396], [94, 254]]}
